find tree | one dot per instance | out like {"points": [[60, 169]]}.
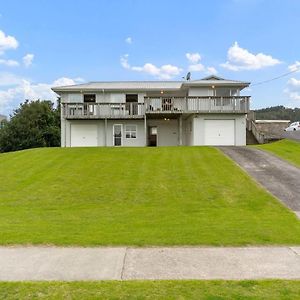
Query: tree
{"points": [[34, 124], [278, 113]]}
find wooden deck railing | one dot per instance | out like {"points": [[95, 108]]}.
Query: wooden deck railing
{"points": [[235, 104], [156, 105], [102, 110]]}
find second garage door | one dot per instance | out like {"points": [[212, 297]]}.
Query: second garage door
{"points": [[219, 132], [83, 135]]}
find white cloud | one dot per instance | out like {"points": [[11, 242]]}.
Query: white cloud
{"points": [[241, 59], [196, 66], [293, 91], [128, 40], [66, 81], [9, 79], [7, 42], [211, 70], [193, 58], [27, 59], [9, 62], [164, 72], [294, 82], [24, 89], [295, 67], [124, 61]]}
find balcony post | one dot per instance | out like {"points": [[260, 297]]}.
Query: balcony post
{"points": [[180, 130], [145, 130], [105, 132]]}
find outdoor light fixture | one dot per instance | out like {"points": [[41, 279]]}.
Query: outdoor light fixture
{"points": [[161, 92]]}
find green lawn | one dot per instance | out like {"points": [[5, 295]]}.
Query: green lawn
{"points": [[286, 149], [210, 290], [136, 196]]}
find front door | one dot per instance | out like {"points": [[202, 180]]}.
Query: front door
{"points": [[117, 134], [152, 141]]}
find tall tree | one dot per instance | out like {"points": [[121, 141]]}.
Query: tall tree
{"points": [[34, 124]]}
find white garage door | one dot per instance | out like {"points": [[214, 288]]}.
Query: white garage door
{"points": [[83, 135], [219, 132]]}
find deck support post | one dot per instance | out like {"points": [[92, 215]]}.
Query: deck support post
{"points": [[105, 132], [180, 130], [145, 130]]}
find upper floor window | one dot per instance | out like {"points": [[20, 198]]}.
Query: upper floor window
{"points": [[89, 98], [130, 131], [131, 98]]}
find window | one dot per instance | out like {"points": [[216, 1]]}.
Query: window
{"points": [[89, 98], [131, 98], [130, 131]]}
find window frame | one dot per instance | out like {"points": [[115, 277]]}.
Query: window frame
{"points": [[92, 95], [130, 131]]}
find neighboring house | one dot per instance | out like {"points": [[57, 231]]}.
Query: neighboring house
{"points": [[2, 120], [209, 111]]}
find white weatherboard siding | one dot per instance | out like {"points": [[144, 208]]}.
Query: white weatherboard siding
{"points": [[91, 133], [219, 132], [198, 130], [188, 131], [84, 135], [199, 122], [104, 97], [200, 91], [139, 141], [167, 131]]}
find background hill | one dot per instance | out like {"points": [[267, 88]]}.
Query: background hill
{"points": [[278, 113]]}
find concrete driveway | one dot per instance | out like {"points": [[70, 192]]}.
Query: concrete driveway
{"points": [[278, 176]]}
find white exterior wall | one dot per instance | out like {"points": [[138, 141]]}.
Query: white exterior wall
{"points": [[194, 92], [218, 91], [117, 97], [189, 131], [140, 140], [198, 127], [167, 131], [101, 97]]}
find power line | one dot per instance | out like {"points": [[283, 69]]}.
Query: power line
{"points": [[275, 78]]}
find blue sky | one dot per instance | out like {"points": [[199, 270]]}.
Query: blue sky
{"points": [[46, 43]]}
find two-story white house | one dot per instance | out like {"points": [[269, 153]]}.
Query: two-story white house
{"points": [[209, 111]]}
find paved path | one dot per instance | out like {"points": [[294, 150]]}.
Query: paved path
{"points": [[278, 176], [120, 263]]}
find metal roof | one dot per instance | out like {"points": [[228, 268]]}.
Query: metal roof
{"points": [[122, 85], [148, 85]]}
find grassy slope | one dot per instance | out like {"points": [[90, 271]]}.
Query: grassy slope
{"points": [[271, 290], [138, 196], [286, 149]]}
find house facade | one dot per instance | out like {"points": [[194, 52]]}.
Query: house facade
{"points": [[209, 111]]}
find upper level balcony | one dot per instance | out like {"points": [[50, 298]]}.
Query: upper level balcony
{"points": [[201, 104], [103, 110], [157, 105]]}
